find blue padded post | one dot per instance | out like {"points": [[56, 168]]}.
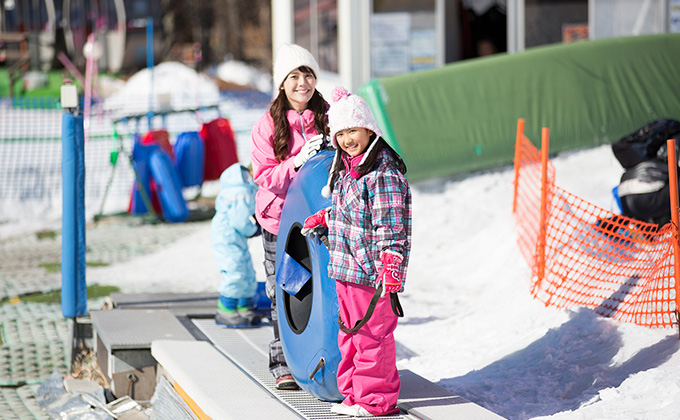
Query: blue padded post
{"points": [[73, 285]]}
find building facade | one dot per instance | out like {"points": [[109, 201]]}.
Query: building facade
{"points": [[356, 40]]}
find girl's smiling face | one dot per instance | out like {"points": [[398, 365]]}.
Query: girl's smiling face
{"points": [[353, 140], [299, 88]]}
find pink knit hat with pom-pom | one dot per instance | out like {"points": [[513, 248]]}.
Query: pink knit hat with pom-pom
{"points": [[349, 111]]}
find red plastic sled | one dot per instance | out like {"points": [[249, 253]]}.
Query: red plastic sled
{"points": [[220, 147], [161, 138]]}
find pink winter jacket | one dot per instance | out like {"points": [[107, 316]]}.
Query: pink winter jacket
{"points": [[273, 177]]}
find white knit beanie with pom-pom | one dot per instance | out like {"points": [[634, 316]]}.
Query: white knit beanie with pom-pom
{"points": [[288, 58], [348, 111]]}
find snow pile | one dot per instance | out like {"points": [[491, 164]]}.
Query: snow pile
{"points": [[240, 73], [175, 87], [109, 85]]}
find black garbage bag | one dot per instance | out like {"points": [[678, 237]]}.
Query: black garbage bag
{"points": [[646, 142]]}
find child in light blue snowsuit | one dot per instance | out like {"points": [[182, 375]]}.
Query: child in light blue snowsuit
{"points": [[230, 229]]}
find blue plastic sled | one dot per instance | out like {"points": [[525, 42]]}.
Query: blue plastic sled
{"points": [[140, 161], [308, 324], [173, 205], [189, 158]]}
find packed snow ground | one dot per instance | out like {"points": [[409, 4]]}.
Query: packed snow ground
{"points": [[470, 323]]}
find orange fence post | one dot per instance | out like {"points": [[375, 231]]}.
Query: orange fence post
{"points": [[673, 189], [582, 255], [540, 254], [518, 159]]}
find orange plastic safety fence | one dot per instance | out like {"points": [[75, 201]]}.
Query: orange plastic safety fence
{"points": [[620, 267]]}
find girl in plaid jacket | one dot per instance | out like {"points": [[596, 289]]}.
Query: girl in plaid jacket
{"points": [[369, 233]]}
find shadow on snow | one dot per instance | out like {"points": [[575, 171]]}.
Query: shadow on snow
{"points": [[568, 366]]}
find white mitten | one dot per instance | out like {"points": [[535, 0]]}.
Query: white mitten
{"points": [[311, 147]]}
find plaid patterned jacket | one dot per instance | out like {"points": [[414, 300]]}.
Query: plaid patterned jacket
{"points": [[369, 215]]}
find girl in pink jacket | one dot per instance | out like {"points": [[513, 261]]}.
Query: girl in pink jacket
{"points": [[283, 139]]}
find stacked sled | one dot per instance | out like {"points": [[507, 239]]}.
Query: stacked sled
{"points": [[163, 170]]}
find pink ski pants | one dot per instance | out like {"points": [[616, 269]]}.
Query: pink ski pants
{"points": [[367, 373]]}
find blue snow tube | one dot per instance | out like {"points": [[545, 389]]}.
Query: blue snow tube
{"points": [[189, 158], [307, 304]]}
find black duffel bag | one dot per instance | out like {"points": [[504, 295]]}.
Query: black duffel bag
{"points": [[644, 143]]}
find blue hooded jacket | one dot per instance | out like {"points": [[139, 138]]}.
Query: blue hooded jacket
{"points": [[230, 229]]}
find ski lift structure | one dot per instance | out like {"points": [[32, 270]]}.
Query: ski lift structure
{"points": [[106, 19], [119, 27], [27, 37], [37, 31]]}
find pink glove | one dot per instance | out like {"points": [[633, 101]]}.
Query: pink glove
{"points": [[390, 274], [316, 223]]}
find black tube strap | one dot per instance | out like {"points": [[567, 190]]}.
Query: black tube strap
{"points": [[394, 301], [396, 305]]}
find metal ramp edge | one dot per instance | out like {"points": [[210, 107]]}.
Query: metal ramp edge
{"points": [[248, 348], [418, 399], [216, 388]]}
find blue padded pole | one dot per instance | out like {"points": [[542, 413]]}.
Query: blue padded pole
{"points": [[73, 285]]}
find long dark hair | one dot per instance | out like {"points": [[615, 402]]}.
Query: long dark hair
{"points": [[369, 162], [280, 105]]}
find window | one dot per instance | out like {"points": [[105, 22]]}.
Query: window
{"points": [[403, 37]]}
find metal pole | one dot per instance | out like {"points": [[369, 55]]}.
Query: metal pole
{"points": [[89, 62], [511, 26], [283, 26], [314, 29], [521, 23], [440, 32], [149, 66]]}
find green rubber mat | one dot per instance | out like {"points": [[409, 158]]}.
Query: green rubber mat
{"points": [[18, 403], [27, 281], [22, 266], [32, 265], [125, 238], [34, 343], [28, 311]]}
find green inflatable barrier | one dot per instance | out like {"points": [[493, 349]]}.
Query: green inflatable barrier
{"points": [[463, 117]]}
